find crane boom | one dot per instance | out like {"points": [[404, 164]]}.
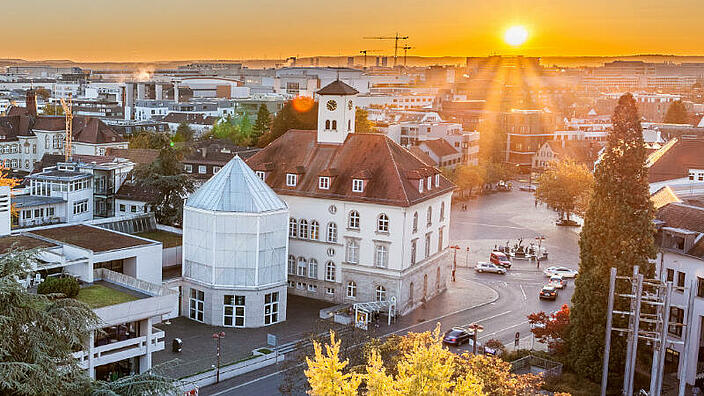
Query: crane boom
{"points": [[396, 38], [68, 112]]}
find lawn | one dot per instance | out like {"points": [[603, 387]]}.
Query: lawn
{"points": [[97, 296], [168, 239]]}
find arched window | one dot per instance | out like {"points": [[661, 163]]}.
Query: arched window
{"points": [[415, 222], [303, 229], [327, 124], [353, 251], [332, 232], [314, 230], [382, 223], [410, 294], [430, 216], [313, 268], [351, 289], [291, 265], [349, 125], [330, 271], [354, 220], [437, 279], [334, 125], [47, 141], [442, 211], [302, 266], [292, 228], [380, 293]]}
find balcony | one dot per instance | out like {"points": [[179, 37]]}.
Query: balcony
{"points": [[120, 350]]}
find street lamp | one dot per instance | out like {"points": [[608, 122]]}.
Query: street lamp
{"points": [[467, 257], [537, 256], [454, 261], [217, 337], [476, 328]]}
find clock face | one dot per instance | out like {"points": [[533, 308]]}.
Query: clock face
{"points": [[349, 105], [332, 105]]}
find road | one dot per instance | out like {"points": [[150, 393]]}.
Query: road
{"points": [[489, 220]]}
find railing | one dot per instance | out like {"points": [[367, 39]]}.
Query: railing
{"points": [[127, 348], [547, 367]]}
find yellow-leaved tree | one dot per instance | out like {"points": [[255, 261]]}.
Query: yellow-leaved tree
{"points": [[325, 372]]}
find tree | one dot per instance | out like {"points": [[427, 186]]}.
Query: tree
{"points": [[262, 124], [677, 113], [468, 177], [551, 329], [325, 375], [495, 172], [565, 186], [184, 133], [146, 139], [169, 185], [618, 232], [298, 113], [53, 109], [43, 93], [362, 123], [237, 129]]}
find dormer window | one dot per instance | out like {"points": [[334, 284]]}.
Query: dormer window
{"points": [[291, 179], [324, 182], [261, 175], [430, 182], [357, 185], [420, 186], [437, 180]]}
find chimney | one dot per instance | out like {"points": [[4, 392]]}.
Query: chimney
{"points": [[31, 102]]}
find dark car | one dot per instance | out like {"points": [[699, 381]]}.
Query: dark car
{"points": [[548, 293], [456, 337]]}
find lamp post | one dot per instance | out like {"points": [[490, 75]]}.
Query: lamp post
{"points": [[454, 261], [467, 257], [217, 337], [540, 243], [476, 328]]}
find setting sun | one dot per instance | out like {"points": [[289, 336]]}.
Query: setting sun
{"points": [[516, 35]]}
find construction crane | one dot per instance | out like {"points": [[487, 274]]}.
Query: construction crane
{"points": [[396, 38], [405, 52], [68, 112], [365, 55]]}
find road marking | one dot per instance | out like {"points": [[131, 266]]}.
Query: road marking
{"points": [[490, 317], [504, 329], [524, 293], [490, 225], [222, 392]]}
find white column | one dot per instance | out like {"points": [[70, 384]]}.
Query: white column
{"points": [[90, 349], [159, 91], [145, 329]]}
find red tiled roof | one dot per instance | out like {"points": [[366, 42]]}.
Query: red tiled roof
{"points": [[94, 131], [385, 163], [440, 147], [674, 161], [337, 87], [421, 155], [687, 217]]}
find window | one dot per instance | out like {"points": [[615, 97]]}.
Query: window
{"points": [[188, 168], [429, 216], [195, 305], [680, 280], [291, 284], [80, 207], [440, 232], [357, 185], [380, 293], [133, 208], [427, 244], [291, 179], [327, 124], [330, 291], [291, 265], [202, 169], [233, 311], [420, 186], [302, 267], [353, 251], [271, 308], [332, 232], [414, 247], [382, 223], [334, 125], [216, 169], [261, 175], [670, 275], [313, 269], [381, 256], [700, 287], [437, 180], [50, 211], [415, 222], [351, 289], [442, 211], [676, 316], [354, 220], [313, 288], [330, 271], [122, 208], [314, 230], [292, 228], [303, 229], [430, 182], [324, 183], [300, 286]]}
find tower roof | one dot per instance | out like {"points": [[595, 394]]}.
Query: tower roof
{"points": [[235, 188], [337, 87]]}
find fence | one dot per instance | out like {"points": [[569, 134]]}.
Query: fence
{"points": [[232, 370], [530, 363]]}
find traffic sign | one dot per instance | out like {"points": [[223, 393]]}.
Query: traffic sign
{"points": [[271, 340]]}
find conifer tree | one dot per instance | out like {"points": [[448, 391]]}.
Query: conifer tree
{"points": [[262, 124], [618, 232], [676, 113]]}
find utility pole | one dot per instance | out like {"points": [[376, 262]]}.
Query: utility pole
{"points": [[218, 336]]}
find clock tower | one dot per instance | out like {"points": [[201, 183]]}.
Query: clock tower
{"points": [[336, 110]]}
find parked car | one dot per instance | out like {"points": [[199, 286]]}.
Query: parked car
{"points": [[548, 293], [457, 336], [557, 281], [483, 266], [563, 271], [500, 258], [529, 188]]}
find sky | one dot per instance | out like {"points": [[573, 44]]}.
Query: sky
{"points": [[151, 30]]}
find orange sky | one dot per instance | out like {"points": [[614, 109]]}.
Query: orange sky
{"points": [[147, 30]]}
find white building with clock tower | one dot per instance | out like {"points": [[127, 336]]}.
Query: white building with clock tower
{"points": [[368, 220]]}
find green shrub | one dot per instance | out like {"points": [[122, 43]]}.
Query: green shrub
{"points": [[67, 286]]}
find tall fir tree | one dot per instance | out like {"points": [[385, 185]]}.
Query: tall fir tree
{"points": [[618, 232], [262, 124]]}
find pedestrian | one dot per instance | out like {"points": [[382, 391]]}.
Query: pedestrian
{"points": [[536, 202]]}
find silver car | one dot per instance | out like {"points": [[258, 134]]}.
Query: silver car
{"points": [[483, 266]]}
